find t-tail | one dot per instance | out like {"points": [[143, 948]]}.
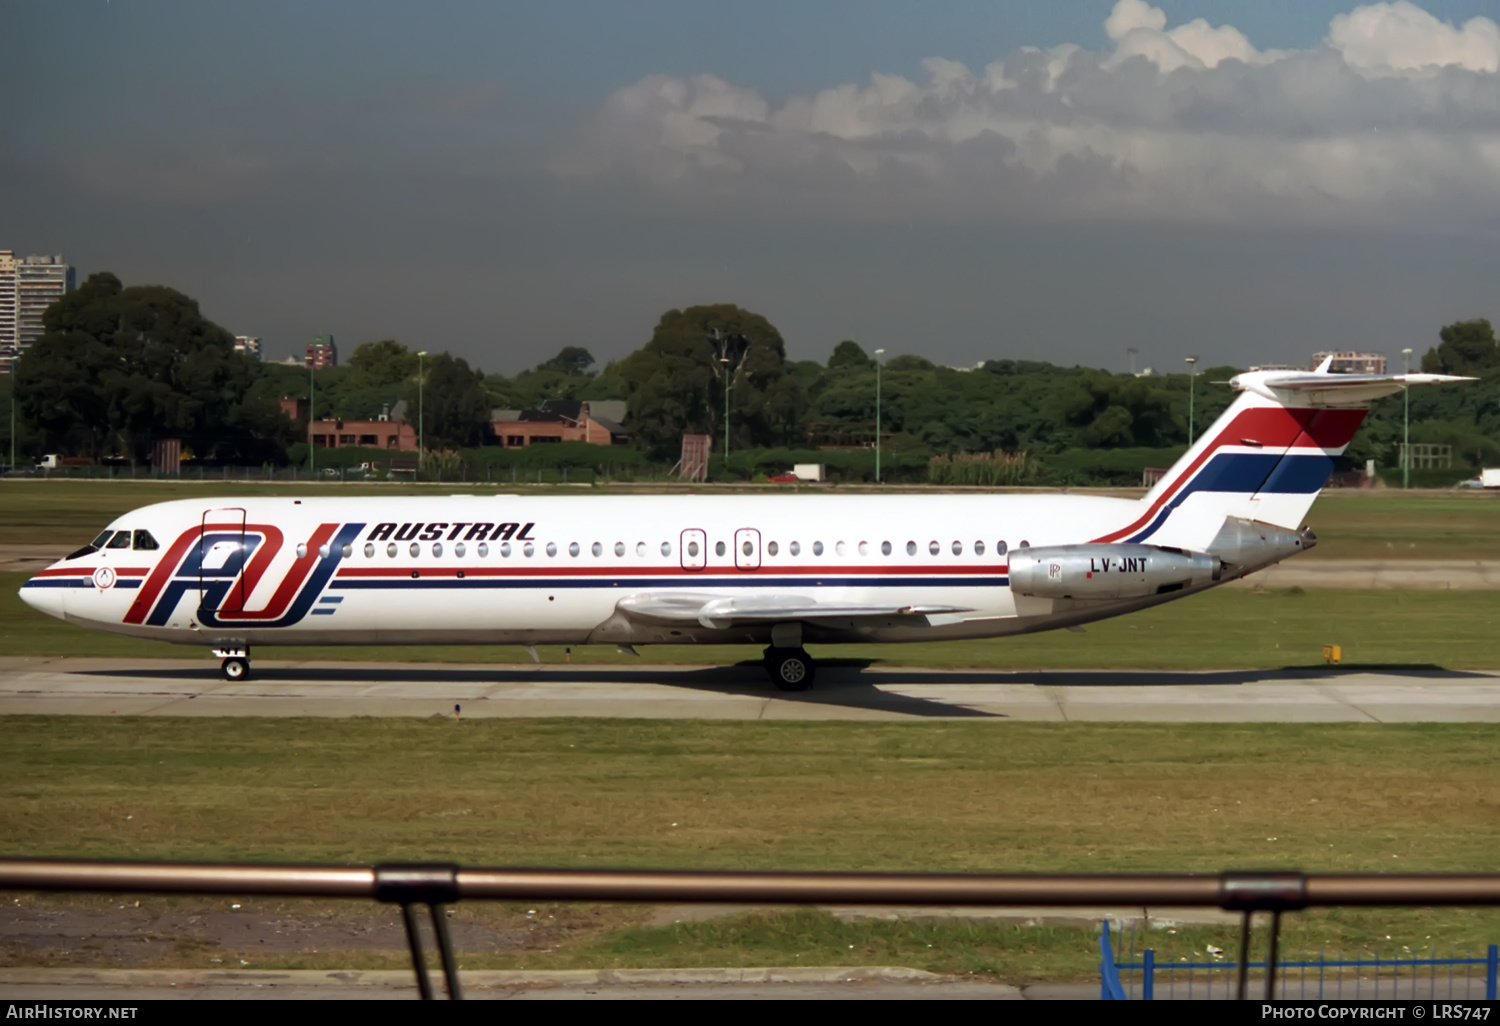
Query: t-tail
{"points": [[1266, 459]]}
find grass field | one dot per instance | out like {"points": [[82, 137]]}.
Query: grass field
{"points": [[927, 796], [1220, 629], [1381, 524]]}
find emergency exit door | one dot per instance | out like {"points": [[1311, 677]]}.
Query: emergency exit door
{"points": [[747, 548]]}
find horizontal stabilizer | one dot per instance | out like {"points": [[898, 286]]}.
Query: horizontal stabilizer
{"points": [[1314, 389]]}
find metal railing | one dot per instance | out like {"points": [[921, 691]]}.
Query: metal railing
{"points": [[1124, 974], [435, 885]]}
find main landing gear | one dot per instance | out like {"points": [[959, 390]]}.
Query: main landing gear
{"points": [[236, 664], [790, 669]]}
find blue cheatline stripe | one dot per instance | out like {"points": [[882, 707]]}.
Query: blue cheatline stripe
{"points": [[82, 582], [1249, 473], [324, 611], [675, 583], [331, 600]]}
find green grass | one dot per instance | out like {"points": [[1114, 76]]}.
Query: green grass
{"points": [[1226, 628], [900, 797], [1379, 524]]}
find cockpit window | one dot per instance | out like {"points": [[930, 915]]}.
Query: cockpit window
{"points": [[98, 543], [121, 540], [144, 542]]}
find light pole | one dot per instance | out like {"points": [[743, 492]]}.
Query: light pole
{"points": [[878, 353], [312, 446], [421, 420], [1406, 425], [724, 362], [1192, 362]]}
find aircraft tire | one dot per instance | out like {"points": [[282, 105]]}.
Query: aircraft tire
{"points": [[235, 668], [790, 669]]}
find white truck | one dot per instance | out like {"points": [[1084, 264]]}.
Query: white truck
{"points": [[809, 471], [1489, 477]]}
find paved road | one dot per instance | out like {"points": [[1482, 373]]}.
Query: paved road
{"points": [[283, 688]]}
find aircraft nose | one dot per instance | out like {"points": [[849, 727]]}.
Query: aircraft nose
{"points": [[43, 599]]}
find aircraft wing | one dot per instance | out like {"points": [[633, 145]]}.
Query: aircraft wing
{"points": [[1322, 389], [716, 612]]}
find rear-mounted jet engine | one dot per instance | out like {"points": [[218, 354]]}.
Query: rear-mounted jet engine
{"points": [[1109, 571]]}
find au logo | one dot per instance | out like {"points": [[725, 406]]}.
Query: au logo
{"points": [[104, 578]]}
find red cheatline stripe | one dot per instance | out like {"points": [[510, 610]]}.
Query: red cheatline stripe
{"points": [[124, 571], [643, 571]]}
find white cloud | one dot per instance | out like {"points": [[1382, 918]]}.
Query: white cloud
{"points": [[1397, 115], [1401, 36]]}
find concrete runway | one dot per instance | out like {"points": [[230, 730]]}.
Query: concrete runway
{"points": [[144, 687]]}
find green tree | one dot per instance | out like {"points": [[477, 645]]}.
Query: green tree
{"points": [[454, 409], [119, 368], [573, 361], [675, 382], [1464, 347], [849, 354], [386, 362]]}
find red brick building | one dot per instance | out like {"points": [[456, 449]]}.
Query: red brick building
{"points": [[593, 421], [392, 433]]}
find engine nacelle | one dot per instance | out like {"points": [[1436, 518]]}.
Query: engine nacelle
{"points": [[1108, 571]]}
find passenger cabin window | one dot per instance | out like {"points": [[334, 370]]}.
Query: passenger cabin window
{"points": [[864, 548], [771, 547], [817, 548], [911, 548], [143, 542], [505, 550], [839, 547], [1000, 548], [121, 540], [483, 550], [369, 550], [573, 549], [619, 548], [459, 550], [719, 549], [390, 550], [346, 551], [597, 550], [795, 548], [437, 549], [958, 548], [934, 548], [551, 548], [885, 548], [666, 548], [640, 548], [1025, 544], [979, 548], [529, 550], [416, 550]]}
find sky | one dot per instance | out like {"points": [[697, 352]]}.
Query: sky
{"points": [[966, 180]]}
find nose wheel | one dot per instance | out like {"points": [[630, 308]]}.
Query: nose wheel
{"points": [[236, 664], [790, 669]]}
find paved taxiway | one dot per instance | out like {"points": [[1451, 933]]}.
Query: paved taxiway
{"points": [[145, 687]]}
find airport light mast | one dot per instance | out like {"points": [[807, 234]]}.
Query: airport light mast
{"points": [[1192, 362], [878, 354], [312, 445], [1406, 425], [421, 436]]}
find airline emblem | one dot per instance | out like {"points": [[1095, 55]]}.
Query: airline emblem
{"points": [[226, 563], [104, 578]]}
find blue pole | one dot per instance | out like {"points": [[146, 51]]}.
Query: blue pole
{"points": [[1148, 968], [1492, 964]]}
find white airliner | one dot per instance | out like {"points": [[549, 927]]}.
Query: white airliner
{"points": [[778, 570]]}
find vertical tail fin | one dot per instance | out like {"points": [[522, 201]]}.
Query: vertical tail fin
{"points": [[1266, 458]]}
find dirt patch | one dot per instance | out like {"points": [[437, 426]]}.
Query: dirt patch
{"points": [[131, 933]]}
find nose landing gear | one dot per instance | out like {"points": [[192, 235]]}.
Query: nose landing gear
{"points": [[236, 664]]}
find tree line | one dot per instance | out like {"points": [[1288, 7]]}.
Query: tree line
{"points": [[120, 367]]}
